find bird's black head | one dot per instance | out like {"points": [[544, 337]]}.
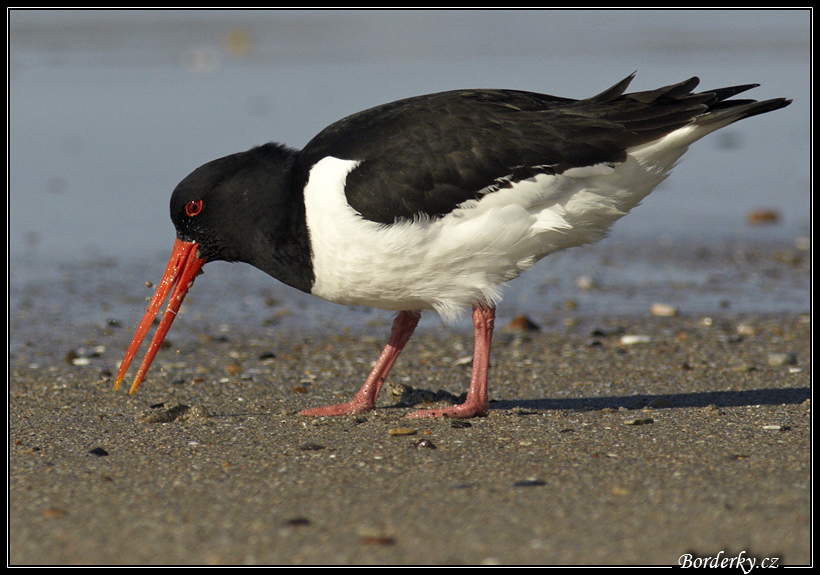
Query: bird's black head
{"points": [[230, 209], [228, 206]]}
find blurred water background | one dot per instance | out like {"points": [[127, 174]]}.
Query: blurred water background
{"points": [[109, 109]]}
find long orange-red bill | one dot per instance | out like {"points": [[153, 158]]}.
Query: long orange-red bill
{"points": [[182, 268]]}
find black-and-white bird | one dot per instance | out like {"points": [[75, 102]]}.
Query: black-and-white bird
{"points": [[434, 202]]}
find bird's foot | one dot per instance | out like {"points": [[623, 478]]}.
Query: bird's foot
{"points": [[351, 407], [464, 411]]}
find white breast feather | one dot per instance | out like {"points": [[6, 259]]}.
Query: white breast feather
{"points": [[463, 258]]}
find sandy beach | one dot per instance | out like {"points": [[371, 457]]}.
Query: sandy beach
{"points": [[612, 439]]}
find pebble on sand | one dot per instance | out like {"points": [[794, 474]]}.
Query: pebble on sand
{"points": [[663, 310], [635, 339], [763, 216], [776, 359]]}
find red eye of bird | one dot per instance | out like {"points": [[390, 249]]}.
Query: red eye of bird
{"points": [[193, 208]]}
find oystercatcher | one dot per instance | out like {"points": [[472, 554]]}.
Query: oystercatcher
{"points": [[434, 202]]}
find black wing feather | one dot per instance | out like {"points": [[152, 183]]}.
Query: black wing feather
{"points": [[423, 156]]}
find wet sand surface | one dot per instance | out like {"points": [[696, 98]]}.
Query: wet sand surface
{"points": [[613, 437]]}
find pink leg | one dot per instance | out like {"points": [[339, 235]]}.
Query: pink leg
{"points": [[365, 399], [478, 400]]}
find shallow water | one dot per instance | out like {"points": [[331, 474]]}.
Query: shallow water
{"points": [[110, 109]]}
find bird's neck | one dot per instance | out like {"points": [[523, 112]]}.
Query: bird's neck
{"points": [[285, 252]]}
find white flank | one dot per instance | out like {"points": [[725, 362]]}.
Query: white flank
{"points": [[464, 258]]}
